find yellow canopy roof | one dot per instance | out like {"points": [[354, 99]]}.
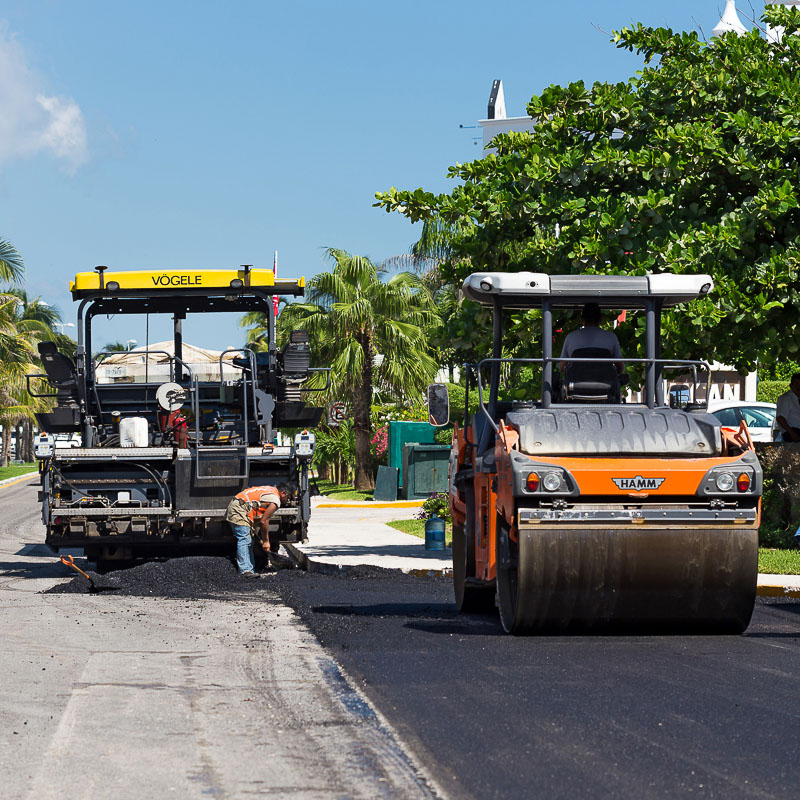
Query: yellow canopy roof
{"points": [[171, 279]]}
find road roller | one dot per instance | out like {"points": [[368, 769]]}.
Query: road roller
{"points": [[588, 507]]}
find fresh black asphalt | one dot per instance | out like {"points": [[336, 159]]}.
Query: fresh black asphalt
{"points": [[494, 716]]}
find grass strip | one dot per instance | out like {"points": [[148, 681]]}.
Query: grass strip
{"points": [[17, 469], [416, 527], [778, 562], [336, 491]]}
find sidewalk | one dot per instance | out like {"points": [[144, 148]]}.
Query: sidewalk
{"points": [[350, 534], [354, 533]]}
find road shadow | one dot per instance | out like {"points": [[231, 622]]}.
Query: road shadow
{"points": [[430, 610], [37, 560], [36, 550], [34, 569]]}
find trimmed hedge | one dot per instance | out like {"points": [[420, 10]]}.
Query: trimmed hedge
{"points": [[770, 391]]}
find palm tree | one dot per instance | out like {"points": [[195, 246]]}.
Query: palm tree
{"points": [[18, 356], [12, 267], [35, 320], [352, 316]]}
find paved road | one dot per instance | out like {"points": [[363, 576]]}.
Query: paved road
{"points": [[494, 716], [104, 698], [108, 696]]}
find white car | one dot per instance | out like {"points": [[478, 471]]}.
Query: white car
{"points": [[760, 417]]}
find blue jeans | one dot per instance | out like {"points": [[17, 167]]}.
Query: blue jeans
{"points": [[244, 547]]}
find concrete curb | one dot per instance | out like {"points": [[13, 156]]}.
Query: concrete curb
{"points": [[779, 591], [371, 504], [778, 585], [18, 478]]}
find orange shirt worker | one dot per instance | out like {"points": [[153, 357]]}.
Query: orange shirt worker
{"points": [[248, 514]]}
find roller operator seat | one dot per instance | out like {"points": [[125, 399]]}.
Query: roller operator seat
{"points": [[591, 383]]}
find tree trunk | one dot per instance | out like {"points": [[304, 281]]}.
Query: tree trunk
{"points": [[6, 444], [364, 480], [323, 471], [27, 441]]}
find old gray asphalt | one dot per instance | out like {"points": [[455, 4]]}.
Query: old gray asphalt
{"points": [[128, 697]]}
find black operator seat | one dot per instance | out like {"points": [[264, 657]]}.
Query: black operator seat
{"points": [[61, 373], [591, 383]]}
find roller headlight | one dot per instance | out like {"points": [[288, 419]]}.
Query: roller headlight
{"points": [[552, 481], [724, 481]]}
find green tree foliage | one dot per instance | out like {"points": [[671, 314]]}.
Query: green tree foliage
{"points": [[371, 332], [24, 322], [336, 451], [12, 267], [693, 165], [770, 391], [777, 370]]}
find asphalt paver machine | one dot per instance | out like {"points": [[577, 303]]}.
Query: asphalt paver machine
{"points": [[576, 509], [162, 454]]}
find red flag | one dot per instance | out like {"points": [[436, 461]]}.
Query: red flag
{"points": [[275, 277], [621, 318]]}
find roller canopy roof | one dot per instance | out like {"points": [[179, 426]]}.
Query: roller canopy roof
{"points": [[153, 283], [529, 289]]}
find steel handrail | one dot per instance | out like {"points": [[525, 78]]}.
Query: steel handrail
{"points": [[667, 363], [245, 415], [327, 382], [96, 361], [35, 394]]}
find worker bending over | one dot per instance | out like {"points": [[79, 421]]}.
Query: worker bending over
{"points": [[249, 513]]}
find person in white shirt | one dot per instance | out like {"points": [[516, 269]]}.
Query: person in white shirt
{"points": [[591, 335], [788, 411]]}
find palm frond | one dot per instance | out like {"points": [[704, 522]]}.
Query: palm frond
{"points": [[12, 267]]}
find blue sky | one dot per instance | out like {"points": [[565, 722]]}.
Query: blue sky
{"points": [[197, 134]]}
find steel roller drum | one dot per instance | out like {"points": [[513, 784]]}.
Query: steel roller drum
{"points": [[684, 578]]}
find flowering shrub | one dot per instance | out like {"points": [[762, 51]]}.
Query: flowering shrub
{"points": [[380, 441], [437, 503], [383, 414]]}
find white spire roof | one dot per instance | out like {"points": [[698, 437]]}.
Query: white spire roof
{"points": [[776, 34], [730, 21]]}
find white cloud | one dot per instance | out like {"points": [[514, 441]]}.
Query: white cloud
{"points": [[31, 121]]}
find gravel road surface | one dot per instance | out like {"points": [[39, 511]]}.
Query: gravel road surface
{"points": [[186, 682]]}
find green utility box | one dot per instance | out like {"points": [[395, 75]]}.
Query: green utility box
{"points": [[401, 434], [426, 469], [386, 483]]}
